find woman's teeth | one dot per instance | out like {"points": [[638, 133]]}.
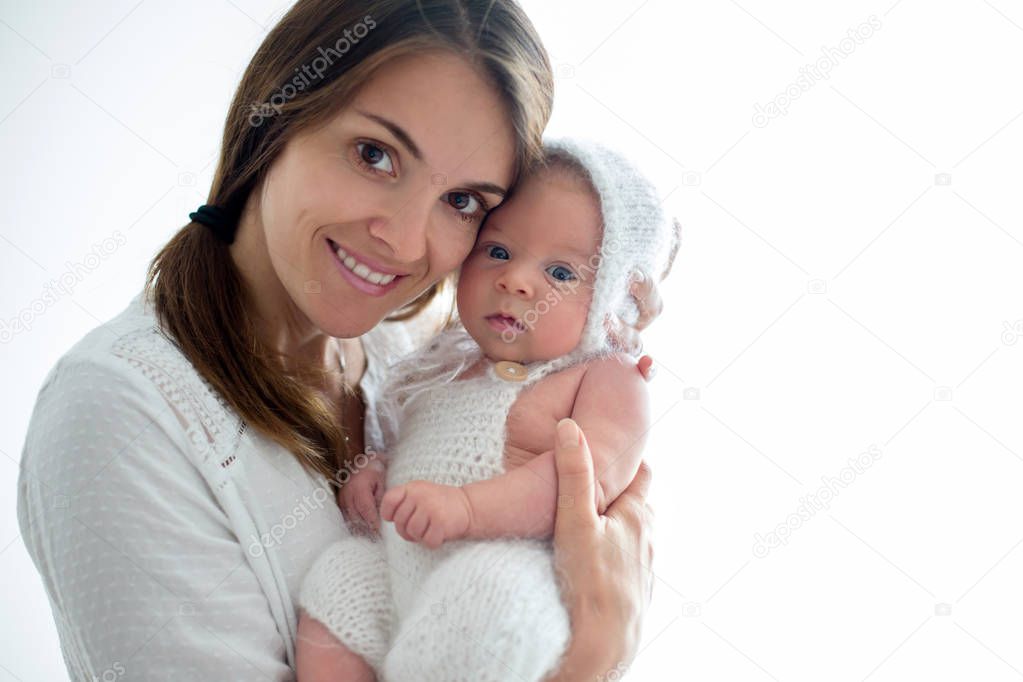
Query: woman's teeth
{"points": [[361, 270]]}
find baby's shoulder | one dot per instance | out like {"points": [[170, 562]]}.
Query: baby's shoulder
{"points": [[613, 369], [610, 379], [551, 395]]}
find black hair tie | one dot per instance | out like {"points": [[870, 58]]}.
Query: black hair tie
{"points": [[217, 219]]}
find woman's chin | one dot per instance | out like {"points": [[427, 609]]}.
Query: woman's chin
{"points": [[348, 326]]}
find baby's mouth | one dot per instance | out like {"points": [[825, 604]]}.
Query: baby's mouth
{"points": [[502, 323]]}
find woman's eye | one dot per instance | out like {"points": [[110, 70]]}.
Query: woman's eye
{"points": [[465, 202], [371, 155], [561, 273], [498, 252]]}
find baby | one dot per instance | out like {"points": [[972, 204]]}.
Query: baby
{"points": [[462, 585]]}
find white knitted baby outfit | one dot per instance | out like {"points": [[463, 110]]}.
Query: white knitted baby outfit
{"points": [[476, 610]]}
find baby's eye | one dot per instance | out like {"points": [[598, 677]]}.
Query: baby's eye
{"points": [[498, 252], [371, 155], [561, 273]]}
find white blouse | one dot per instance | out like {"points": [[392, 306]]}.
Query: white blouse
{"points": [[172, 540]]}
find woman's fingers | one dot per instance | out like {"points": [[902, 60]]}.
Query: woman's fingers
{"points": [[640, 484], [613, 599], [622, 335], [630, 507], [648, 298], [576, 505], [650, 526], [646, 367], [649, 303], [631, 510]]}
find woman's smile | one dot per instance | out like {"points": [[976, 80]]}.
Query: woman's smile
{"points": [[372, 279]]}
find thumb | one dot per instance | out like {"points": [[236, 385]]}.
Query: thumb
{"points": [[576, 505]]}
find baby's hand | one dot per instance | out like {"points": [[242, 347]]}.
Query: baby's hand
{"points": [[426, 512], [360, 497]]}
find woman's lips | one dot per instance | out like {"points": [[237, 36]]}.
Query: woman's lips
{"points": [[360, 283]]}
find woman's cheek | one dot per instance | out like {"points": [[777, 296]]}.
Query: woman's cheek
{"points": [[450, 248]]}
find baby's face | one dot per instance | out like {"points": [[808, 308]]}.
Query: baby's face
{"points": [[525, 289]]}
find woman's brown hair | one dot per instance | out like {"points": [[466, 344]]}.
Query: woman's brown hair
{"points": [[309, 66]]}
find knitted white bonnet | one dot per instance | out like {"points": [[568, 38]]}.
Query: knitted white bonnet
{"points": [[637, 234]]}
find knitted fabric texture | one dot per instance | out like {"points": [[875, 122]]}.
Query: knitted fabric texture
{"points": [[470, 610], [348, 590], [636, 233]]}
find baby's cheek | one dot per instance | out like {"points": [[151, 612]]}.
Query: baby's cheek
{"points": [[469, 284], [561, 331], [571, 312]]}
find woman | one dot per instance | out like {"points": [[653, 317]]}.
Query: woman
{"points": [[179, 473]]}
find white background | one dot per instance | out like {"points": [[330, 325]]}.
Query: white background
{"points": [[849, 278]]}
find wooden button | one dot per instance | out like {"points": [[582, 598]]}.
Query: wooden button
{"points": [[510, 371]]}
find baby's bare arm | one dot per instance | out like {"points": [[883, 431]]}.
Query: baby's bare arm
{"points": [[518, 503], [612, 409]]}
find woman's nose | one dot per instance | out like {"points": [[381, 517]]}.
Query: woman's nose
{"points": [[404, 231]]}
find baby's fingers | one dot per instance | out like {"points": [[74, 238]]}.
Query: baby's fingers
{"points": [[392, 498], [401, 517], [344, 499], [368, 510], [434, 536], [417, 525]]}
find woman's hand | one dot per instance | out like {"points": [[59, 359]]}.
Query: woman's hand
{"points": [[645, 365], [360, 497], [648, 300], [606, 606]]}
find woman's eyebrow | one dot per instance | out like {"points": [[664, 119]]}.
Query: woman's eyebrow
{"points": [[487, 188], [395, 130]]}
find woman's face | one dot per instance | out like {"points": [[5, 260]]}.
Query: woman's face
{"points": [[362, 215]]}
